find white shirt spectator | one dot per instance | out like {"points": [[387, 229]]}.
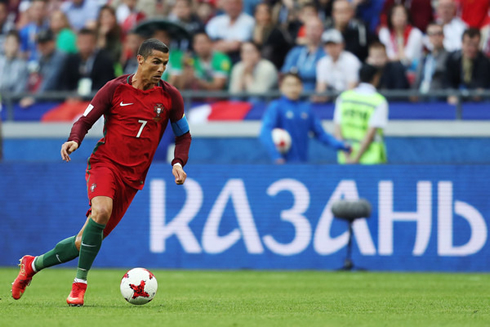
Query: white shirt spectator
{"points": [[453, 34], [378, 119], [80, 14], [219, 28], [413, 46], [340, 74], [264, 77]]}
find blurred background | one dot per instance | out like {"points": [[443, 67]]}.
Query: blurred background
{"points": [[239, 210]]}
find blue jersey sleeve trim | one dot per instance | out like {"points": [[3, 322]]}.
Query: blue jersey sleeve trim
{"points": [[180, 127]]}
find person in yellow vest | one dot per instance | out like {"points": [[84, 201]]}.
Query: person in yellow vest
{"points": [[360, 116]]}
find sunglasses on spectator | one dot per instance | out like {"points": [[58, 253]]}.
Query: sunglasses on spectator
{"points": [[435, 34]]}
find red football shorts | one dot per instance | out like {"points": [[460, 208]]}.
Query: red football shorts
{"points": [[104, 181]]}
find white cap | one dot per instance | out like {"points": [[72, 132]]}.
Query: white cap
{"points": [[332, 36]]}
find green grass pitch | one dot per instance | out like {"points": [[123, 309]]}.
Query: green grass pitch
{"points": [[255, 298]]}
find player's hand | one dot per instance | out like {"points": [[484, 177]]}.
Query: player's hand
{"points": [[68, 148], [179, 174]]}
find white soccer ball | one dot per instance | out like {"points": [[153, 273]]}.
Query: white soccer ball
{"points": [[139, 286], [282, 140]]}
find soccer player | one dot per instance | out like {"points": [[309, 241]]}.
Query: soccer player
{"points": [[136, 109], [296, 117]]}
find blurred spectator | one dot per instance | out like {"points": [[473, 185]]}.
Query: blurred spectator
{"points": [[307, 11], [81, 13], [66, 39], [175, 66], [284, 11], [475, 12], [485, 39], [275, 42], [452, 24], [46, 77], [128, 15], [369, 11], [297, 118], [393, 74], [37, 22], [13, 11], [355, 33], [205, 11], [339, 70], [431, 70], [6, 22], [90, 68], [231, 29], [420, 11], [250, 5], [403, 41], [304, 59], [13, 68], [109, 34], [468, 68], [182, 13], [131, 45], [206, 69], [252, 74]]}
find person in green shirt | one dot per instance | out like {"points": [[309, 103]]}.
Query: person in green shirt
{"points": [[65, 38], [206, 69], [360, 116]]}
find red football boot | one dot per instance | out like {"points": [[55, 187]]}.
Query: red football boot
{"points": [[24, 277], [75, 299]]}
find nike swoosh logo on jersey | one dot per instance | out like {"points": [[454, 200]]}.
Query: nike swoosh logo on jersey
{"points": [[125, 104]]}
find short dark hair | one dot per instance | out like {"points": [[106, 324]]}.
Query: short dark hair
{"points": [[87, 31], [377, 45], [292, 74], [471, 33], [367, 73], [147, 47]]}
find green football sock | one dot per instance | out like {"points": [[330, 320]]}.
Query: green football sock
{"points": [[63, 252], [91, 243]]}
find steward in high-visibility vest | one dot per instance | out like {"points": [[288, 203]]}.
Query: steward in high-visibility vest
{"points": [[360, 116]]}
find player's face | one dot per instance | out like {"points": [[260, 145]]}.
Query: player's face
{"points": [[291, 87], [153, 66]]}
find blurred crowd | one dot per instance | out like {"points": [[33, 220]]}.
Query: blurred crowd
{"points": [[246, 45]]}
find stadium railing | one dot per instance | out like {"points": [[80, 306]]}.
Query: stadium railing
{"points": [[191, 97]]}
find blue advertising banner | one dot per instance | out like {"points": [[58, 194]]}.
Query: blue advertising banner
{"points": [[424, 218]]}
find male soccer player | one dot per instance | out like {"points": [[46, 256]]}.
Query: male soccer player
{"points": [[136, 109]]}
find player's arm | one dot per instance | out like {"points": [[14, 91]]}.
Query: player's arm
{"points": [[366, 142], [269, 122], [183, 138], [97, 107], [337, 118], [324, 137], [378, 120]]}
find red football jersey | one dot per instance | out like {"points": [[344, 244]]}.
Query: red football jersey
{"points": [[134, 124]]}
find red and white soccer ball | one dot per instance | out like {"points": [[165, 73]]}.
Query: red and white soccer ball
{"points": [[282, 140], [139, 286]]}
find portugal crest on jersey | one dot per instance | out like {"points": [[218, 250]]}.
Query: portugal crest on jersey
{"points": [[158, 109]]}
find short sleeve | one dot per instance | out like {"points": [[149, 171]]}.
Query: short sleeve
{"points": [[379, 118]]}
